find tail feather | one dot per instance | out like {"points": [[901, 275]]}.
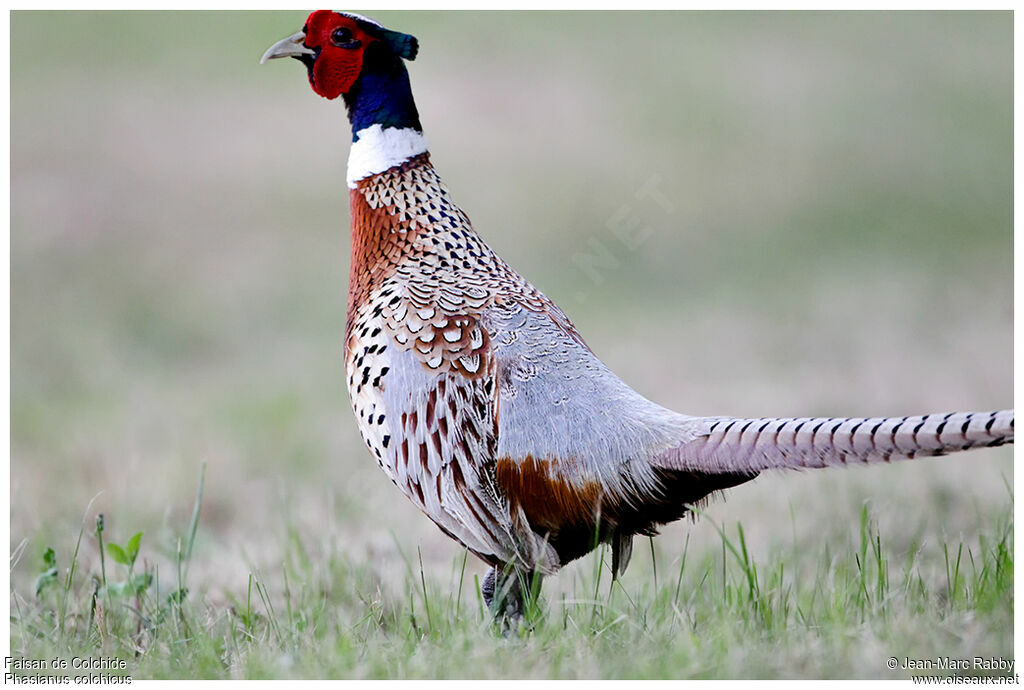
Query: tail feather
{"points": [[751, 445]]}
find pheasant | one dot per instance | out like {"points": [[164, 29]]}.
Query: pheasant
{"points": [[479, 398]]}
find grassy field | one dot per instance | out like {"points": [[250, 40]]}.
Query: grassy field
{"points": [[831, 235]]}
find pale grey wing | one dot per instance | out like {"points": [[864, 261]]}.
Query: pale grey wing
{"points": [[559, 403], [581, 441], [751, 445], [443, 444]]}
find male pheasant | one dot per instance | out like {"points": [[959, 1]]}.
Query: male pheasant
{"points": [[475, 392]]}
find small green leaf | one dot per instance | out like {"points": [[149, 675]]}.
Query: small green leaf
{"points": [[140, 583], [118, 554], [132, 547], [45, 579], [177, 596]]}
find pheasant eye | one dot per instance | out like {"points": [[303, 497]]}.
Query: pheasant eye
{"points": [[342, 38]]}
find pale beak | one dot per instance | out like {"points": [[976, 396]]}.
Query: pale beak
{"points": [[287, 47]]}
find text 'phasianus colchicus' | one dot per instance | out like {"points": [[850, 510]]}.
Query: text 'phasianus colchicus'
{"points": [[478, 397]]}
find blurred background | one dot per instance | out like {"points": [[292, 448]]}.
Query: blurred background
{"points": [[744, 213]]}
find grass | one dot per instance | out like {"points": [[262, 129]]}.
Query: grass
{"points": [[836, 611], [838, 241]]}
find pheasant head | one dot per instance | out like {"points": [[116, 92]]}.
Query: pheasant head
{"points": [[340, 47], [354, 57]]}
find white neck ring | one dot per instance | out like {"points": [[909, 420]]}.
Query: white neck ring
{"points": [[377, 149]]}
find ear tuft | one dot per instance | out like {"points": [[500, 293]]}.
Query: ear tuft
{"points": [[403, 45]]}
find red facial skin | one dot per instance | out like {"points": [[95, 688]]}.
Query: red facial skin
{"points": [[336, 68]]}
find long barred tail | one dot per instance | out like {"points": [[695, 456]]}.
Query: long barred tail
{"points": [[752, 445]]}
